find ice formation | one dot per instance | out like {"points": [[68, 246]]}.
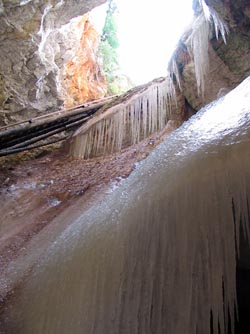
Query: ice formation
{"points": [[158, 254], [148, 113], [199, 40], [130, 121]]}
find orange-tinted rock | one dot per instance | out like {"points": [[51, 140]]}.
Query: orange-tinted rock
{"points": [[84, 80]]}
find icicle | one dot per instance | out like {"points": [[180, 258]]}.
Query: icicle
{"points": [[174, 72], [157, 254], [126, 123], [211, 15], [199, 41]]}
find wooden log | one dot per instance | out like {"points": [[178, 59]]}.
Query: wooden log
{"points": [[22, 149], [35, 124], [49, 134], [43, 121], [38, 131], [61, 112], [40, 126]]}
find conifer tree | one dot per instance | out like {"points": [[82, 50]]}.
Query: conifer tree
{"points": [[117, 83]]}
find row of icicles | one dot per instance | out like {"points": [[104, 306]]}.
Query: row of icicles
{"points": [[149, 111], [126, 123]]}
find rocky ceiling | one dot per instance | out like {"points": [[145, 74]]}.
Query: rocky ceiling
{"points": [[29, 70], [229, 63]]}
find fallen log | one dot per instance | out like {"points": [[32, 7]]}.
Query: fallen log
{"points": [[61, 112], [29, 131], [40, 130], [21, 149], [31, 124], [51, 133]]}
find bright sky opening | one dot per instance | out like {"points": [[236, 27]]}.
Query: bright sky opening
{"points": [[148, 34]]}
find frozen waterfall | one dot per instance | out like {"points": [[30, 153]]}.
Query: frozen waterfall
{"points": [[158, 253]]}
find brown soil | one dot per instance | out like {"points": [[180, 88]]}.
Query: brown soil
{"points": [[34, 192]]}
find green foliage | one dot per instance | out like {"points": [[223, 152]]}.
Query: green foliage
{"points": [[109, 33], [108, 51], [109, 55]]}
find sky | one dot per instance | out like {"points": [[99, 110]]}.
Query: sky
{"points": [[148, 33]]}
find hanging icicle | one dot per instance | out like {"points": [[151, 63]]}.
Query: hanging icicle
{"points": [[199, 41], [174, 71], [126, 123], [148, 111], [158, 253]]}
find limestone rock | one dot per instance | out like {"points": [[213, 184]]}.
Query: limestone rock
{"points": [[228, 63], [34, 51], [29, 76], [83, 79]]}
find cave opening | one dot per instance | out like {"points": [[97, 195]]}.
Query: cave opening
{"points": [[55, 60], [110, 49], [135, 64]]}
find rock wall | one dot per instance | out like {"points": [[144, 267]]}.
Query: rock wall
{"points": [[33, 50], [83, 78], [28, 73], [228, 63]]}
